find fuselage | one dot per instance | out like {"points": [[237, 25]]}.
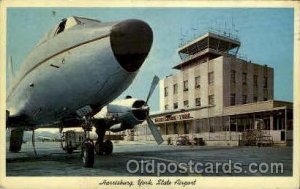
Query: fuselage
{"points": [[80, 63]]}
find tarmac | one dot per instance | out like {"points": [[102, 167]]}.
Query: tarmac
{"points": [[149, 159]]}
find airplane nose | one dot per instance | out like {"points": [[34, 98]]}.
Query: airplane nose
{"points": [[131, 41]]}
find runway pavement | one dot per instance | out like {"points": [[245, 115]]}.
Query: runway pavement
{"points": [[140, 158]]}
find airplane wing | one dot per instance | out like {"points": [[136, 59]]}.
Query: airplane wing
{"points": [[23, 122]]}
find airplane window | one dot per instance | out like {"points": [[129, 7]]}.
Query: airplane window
{"points": [[61, 26], [70, 23], [66, 24], [82, 20]]}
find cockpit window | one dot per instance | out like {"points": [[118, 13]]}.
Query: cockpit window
{"points": [[82, 20], [61, 26], [66, 24]]}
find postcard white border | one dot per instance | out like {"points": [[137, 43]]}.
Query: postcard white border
{"points": [[202, 182]]}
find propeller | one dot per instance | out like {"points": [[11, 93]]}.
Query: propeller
{"points": [[154, 130], [153, 85]]}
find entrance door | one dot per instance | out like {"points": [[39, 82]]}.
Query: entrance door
{"points": [[282, 135], [185, 127]]}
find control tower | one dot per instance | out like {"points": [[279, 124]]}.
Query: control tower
{"points": [[213, 76], [207, 47]]}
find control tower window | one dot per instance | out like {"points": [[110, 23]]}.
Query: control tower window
{"points": [[166, 91], [210, 77], [185, 85]]}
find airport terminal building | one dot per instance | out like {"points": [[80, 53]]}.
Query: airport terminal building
{"points": [[220, 97]]}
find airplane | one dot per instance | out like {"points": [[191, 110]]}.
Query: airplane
{"points": [[75, 71], [43, 138]]}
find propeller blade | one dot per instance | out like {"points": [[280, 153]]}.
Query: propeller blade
{"points": [[153, 85], [155, 132]]}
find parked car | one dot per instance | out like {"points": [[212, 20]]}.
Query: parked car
{"points": [[199, 141], [183, 140]]}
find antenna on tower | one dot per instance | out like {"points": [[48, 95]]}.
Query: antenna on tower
{"points": [[234, 30], [194, 29], [182, 37], [225, 28]]}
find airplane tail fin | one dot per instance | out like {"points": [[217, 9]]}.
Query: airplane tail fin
{"points": [[10, 68]]}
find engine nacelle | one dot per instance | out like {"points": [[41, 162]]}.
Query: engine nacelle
{"points": [[120, 127], [125, 113]]}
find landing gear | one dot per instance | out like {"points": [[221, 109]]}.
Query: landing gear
{"points": [[87, 149], [69, 150], [108, 147], [87, 153], [101, 147], [33, 142], [105, 148], [16, 140]]}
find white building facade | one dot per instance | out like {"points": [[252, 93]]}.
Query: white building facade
{"points": [[219, 97]]}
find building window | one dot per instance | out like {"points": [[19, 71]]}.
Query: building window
{"points": [[167, 130], [265, 82], [166, 91], [175, 105], [244, 78], [232, 76], [185, 128], [166, 107], [255, 80], [197, 82], [232, 99], [210, 77], [211, 99], [175, 88], [255, 99], [265, 93], [198, 101], [175, 128], [244, 100], [186, 103], [185, 85]]}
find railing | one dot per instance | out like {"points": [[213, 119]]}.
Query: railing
{"points": [[216, 32]]}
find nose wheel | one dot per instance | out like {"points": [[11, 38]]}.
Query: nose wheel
{"points": [[87, 153], [87, 148]]}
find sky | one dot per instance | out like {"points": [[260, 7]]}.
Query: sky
{"points": [[266, 37]]}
